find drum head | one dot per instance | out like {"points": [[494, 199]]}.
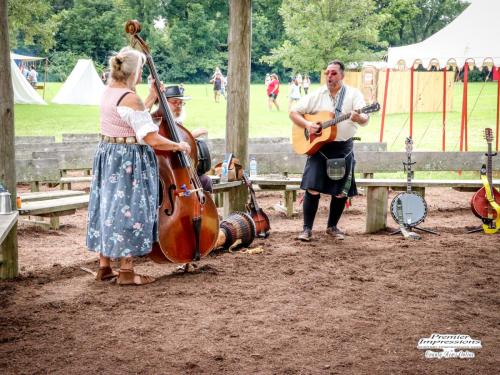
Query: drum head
{"points": [[408, 209]]}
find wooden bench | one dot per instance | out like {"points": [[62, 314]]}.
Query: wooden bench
{"points": [[67, 181], [52, 209], [377, 191], [53, 194], [7, 221], [37, 171]]}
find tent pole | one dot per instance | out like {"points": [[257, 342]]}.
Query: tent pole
{"points": [[498, 103], [45, 79], [444, 109], [387, 71], [463, 126], [412, 76]]}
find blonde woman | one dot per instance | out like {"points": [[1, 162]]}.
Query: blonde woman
{"points": [[123, 202]]}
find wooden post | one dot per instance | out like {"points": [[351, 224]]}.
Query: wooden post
{"points": [[376, 208], [8, 265], [238, 92]]}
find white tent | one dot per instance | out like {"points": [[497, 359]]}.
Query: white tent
{"points": [[83, 86], [470, 37], [24, 93]]}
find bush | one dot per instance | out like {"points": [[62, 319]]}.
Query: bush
{"points": [[61, 64]]}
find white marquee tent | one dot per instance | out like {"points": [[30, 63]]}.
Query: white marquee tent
{"points": [[471, 37], [83, 86], [24, 93]]}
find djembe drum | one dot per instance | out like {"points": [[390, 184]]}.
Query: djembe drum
{"points": [[237, 226]]}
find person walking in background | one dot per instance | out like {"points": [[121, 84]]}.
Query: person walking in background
{"points": [[217, 82], [123, 204], [306, 83], [267, 80], [298, 77], [273, 90], [294, 93], [223, 86], [33, 76]]}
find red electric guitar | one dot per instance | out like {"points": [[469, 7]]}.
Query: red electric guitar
{"points": [[260, 218], [481, 206]]}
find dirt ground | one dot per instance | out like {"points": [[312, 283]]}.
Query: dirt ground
{"points": [[357, 306]]}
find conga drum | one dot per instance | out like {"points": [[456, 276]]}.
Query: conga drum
{"points": [[237, 226]]}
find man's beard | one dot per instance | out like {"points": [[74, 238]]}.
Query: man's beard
{"points": [[182, 116]]}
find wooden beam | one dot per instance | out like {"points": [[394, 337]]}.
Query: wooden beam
{"points": [[238, 91], [9, 265]]}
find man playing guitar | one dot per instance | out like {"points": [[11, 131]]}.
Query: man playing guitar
{"points": [[340, 99]]}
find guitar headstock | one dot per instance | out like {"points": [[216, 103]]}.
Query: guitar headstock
{"points": [[246, 180], [409, 145], [374, 107], [488, 135]]}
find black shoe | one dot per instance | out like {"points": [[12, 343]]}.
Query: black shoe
{"points": [[335, 233], [305, 235]]}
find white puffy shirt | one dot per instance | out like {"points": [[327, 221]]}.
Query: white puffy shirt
{"points": [[140, 121]]}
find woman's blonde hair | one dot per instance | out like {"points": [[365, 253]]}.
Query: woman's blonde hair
{"points": [[126, 62]]}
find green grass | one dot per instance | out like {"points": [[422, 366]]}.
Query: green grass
{"points": [[55, 119]]}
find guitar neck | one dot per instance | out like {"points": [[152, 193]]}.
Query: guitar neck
{"points": [[336, 120], [408, 174], [253, 199], [489, 169]]}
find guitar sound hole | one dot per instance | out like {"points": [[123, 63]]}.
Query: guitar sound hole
{"points": [[306, 134]]}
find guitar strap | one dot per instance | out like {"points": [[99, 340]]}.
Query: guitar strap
{"points": [[494, 204], [340, 101]]}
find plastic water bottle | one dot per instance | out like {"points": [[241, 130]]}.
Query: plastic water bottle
{"points": [[224, 172], [253, 167]]}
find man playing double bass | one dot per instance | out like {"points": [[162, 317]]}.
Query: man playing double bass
{"points": [[176, 102], [338, 98]]}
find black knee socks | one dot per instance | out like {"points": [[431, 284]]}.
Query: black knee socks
{"points": [[310, 207], [336, 208]]}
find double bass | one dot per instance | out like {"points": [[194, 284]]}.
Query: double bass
{"points": [[188, 222]]}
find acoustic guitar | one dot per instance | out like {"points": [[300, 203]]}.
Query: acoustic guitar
{"points": [[262, 224], [305, 143], [485, 202]]}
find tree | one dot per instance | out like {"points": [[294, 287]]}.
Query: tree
{"points": [[31, 26], [93, 28], [319, 30], [411, 21], [267, 34]]}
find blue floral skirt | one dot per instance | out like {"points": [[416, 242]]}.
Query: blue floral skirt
{"points": [[123, 203]]}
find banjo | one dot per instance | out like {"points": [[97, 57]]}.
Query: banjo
{"points": [[408, 209]]}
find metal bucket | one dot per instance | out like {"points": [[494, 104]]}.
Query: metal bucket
{"points": [[5, 203]]}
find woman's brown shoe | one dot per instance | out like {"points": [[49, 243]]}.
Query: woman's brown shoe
{"points": [[129, 277], [105, 273]]}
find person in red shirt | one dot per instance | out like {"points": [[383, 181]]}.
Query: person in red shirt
{"points": [[272, 91]]}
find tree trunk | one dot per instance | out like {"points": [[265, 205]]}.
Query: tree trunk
{"points": [[238, 93], [8, 265]]}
